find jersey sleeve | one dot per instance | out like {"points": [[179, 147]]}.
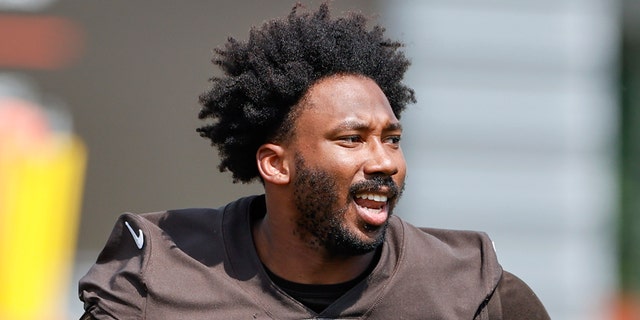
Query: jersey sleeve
{"points": [[114, 286], [518, 301]]}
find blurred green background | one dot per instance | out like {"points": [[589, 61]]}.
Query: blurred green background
{"points": [[629, 216]]}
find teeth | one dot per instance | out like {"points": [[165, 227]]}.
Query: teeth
{"points": [[371, 196]]}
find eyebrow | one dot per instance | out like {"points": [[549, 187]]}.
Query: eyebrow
{"points": [[394, 126], [362, 126]]}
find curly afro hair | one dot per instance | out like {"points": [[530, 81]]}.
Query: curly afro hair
{"points": [[269, 74]]}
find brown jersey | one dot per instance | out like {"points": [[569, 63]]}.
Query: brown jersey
{"points": [[202, 264]]}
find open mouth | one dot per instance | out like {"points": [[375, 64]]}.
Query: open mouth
{"points": [[371, 200], [372, 208]]}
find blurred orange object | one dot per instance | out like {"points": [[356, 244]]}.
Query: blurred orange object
{"points": [[626, 307], [38, 42]]}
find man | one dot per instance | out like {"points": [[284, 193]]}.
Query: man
{"points": [[310, 107]]}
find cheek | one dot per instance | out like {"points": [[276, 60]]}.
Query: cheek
{"points": [[336, 159], [339, 165], [346, 168]]}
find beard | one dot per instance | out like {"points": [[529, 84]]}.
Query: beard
{"points": [[322, 221]]}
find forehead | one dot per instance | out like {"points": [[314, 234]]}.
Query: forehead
{"points": [[342, 98]]}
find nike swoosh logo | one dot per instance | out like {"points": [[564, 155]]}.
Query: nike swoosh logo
{"points": [[138, 238]]}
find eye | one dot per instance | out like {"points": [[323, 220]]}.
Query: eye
{"points": [[350, 141], [394, 140]]}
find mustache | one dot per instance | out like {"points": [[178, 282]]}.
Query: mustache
{"points": [[375, 184]]}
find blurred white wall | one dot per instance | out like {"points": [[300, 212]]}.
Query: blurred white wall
{"points": [[514, 134]]}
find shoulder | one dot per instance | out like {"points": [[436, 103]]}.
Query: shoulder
{"points": [[136, 234], [446, 241], [188, 229], [143, 236], [460, 268], [516, 300], [456, 238], [116, 285], [143, 246], [461, 263], [181, 226]]}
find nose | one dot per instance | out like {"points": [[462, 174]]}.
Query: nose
{"points": [[382, 159]]}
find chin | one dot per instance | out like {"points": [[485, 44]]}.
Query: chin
{"points": [[360, 242]]}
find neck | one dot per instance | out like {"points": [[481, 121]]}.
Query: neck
{"points": [[290, 257]]}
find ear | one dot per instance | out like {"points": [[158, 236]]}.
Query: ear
{"points": [[272, 164]]}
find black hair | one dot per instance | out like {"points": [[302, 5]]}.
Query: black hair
{"points": [[267, 75]]}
